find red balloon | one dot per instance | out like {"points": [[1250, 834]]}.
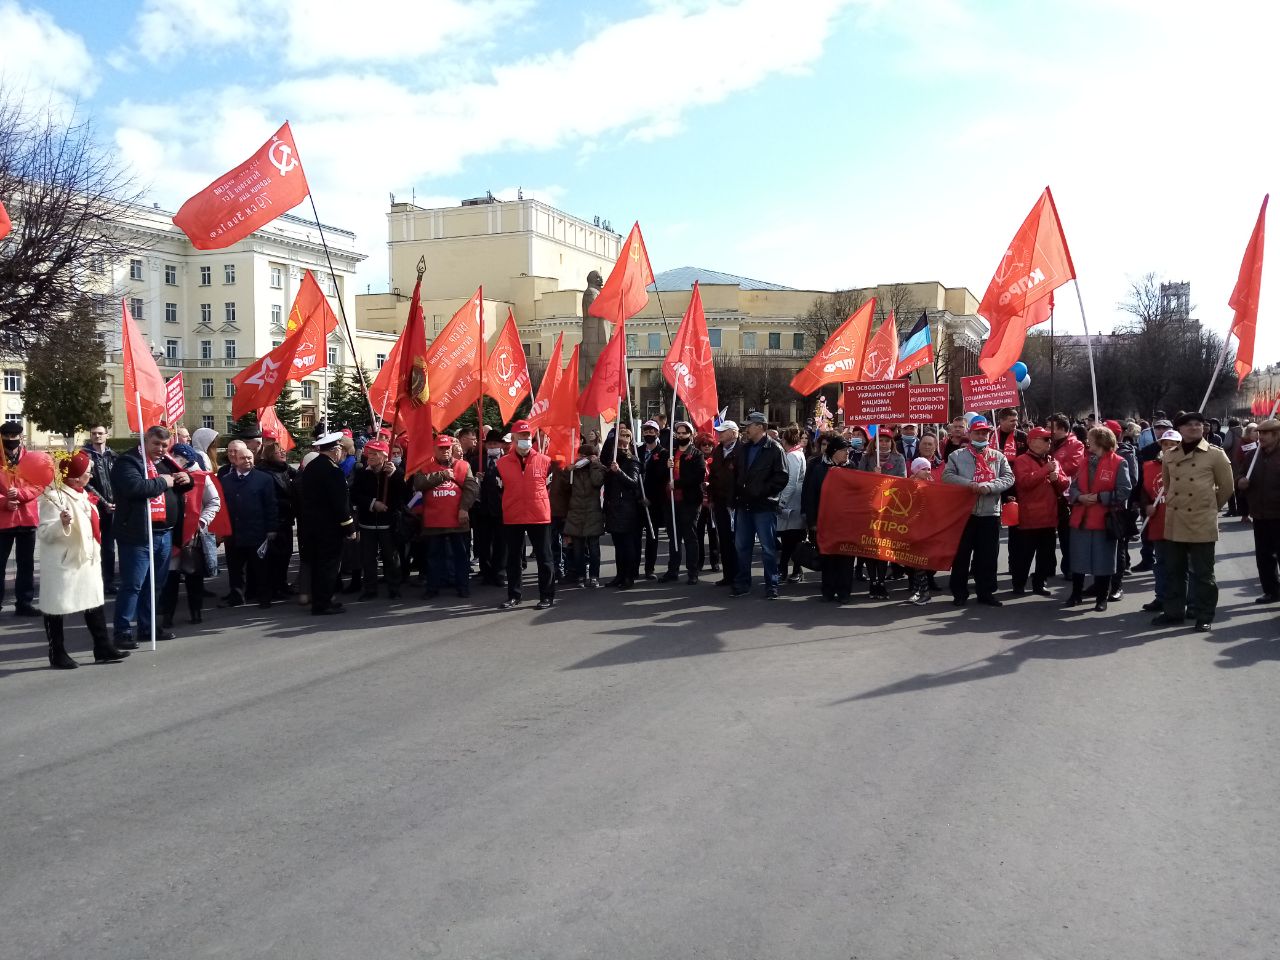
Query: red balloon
{"points": [[35, 469]]}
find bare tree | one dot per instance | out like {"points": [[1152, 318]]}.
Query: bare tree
{"points": [[67, 198], [826, 314]]}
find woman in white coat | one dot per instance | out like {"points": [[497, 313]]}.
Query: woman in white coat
{"points": [[71, 563], [792, 527]]}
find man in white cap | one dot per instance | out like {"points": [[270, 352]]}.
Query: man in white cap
{"points": [[324, 521], [1263, 487], [720, 492]]}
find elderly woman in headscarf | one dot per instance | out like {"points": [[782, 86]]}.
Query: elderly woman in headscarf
{"points": [[195, 550], [70, 543]]}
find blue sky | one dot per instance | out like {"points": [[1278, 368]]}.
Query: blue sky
{"points": [[815, 143]]}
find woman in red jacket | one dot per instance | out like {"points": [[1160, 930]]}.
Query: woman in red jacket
{"points": [[1101, 483], [1038, 482]]}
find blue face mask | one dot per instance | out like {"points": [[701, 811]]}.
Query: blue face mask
{"points": [[857, 444], [979, 444]]}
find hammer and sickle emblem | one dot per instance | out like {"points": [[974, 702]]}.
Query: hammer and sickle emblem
{"points": [[506, 369], [282, 157], [897, 501], [1006, 266], [635, 250]]}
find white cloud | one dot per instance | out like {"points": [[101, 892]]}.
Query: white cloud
{"points": [[40, 57]]}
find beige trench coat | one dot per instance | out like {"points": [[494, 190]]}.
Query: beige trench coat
{"points": [[1196, 487]]}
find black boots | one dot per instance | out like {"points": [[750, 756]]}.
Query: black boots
{"points": [[58, 658], [1104, 593], [195, 599], [104, 651], [1077, 591]]}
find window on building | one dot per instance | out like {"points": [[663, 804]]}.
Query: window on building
{"points": [[228, 273], [206, 421], [775, 341], [633, 343], [171, 349], [716, 336], [135, 269], [654, 343], [206, 313], [276, 343], [206, 276], [231, 424], [135, 307], [797, 341], [380, 359], [13, 381], [528, 352], [330, 285], [333, 356], [206, 388], [748, 340], [277, 278], [170, 313], [229, 311], [229, 349], [231, 389], [308, 390], [277, 314], [206, 350], [171, 274]]}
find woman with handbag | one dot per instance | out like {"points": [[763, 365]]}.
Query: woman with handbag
{"points": [[196, 557], [1098, 493]]}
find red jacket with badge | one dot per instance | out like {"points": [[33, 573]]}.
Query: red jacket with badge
{"points": [[524, 488], [23, 511], [1037, 491]]}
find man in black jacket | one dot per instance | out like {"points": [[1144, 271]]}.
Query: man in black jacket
{"points": [[324, 516], [101, 459], [486, 514], [152, 487], [720, 492], [690, 470], [655, 471], [378, 493], [249, 497], [760, 475], [276, 466]]}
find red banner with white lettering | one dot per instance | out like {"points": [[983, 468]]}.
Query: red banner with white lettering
{"points": [[929, 403], [175, 403], [978, 394], [911, 522], [269, 183], [887, 402]]}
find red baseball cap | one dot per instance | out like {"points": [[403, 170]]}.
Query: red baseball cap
{"points": [[521, 426], [444, 440], [1039, 433], [377, 446], [346, 433], [1113, 426]]}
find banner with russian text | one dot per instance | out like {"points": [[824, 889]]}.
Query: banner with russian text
{"points": [[980, 394], [929, 403], [910, 522], [175, 403]]}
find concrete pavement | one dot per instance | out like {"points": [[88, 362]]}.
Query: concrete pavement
{"points": [[661, 773]]}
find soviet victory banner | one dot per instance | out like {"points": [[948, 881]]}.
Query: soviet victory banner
{"points": [[909, 522]]}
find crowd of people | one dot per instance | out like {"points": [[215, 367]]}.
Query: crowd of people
{"points": [[1076, 497]]}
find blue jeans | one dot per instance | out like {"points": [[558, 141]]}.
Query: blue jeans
{"points": [[447, 562], [747, 526], [134, 595]]}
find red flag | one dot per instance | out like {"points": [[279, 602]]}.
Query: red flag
{"points": [[562, 418], [608, 380], [840, 359], [547, 388], [881, 359], [1244, 298], [269, 183], [6, 225], [623, 294], [688, 367], [142, 380], [413, 388], [312, 315], [268, 420], [220, 525], [260, 383], [909, 522], [382, 392], [506, 374], [454, 361], [1036, 263]]}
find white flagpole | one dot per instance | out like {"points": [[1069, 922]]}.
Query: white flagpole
{"points": [[1088, 343], [671, 462], [1222, 358], [151, 547]]}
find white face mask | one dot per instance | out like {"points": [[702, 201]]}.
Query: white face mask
{"points": [[525, 445]]}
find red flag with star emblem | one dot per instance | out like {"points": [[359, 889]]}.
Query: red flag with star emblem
{"points": [[260, 383], [312, 319], [624, 294], [269, 183], [688, 367], [506, 374]]}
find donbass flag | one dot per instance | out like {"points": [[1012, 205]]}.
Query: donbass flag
{"points": [[881, 359], [840, 359], [144, 389], [313, 320], [688, 366], [1035, 264], [269, 183], [546, 389], [917, 349], [506, 374], [625, 293], [1244, 298]]}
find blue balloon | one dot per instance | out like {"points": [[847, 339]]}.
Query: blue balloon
{"points": [[1019, 371]]}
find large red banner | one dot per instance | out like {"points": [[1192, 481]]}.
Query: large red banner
{"points": [[886, 402], [930, 403], [911, 522], [980, 395], [175, 404]]}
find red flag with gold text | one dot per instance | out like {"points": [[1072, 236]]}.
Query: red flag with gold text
{"points": [[1245, 296], [312, 315], [910, 522], [1036, 263], [625, 293], [454, 361]]}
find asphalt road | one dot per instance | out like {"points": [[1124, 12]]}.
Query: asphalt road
{"points": [[663, 773]]}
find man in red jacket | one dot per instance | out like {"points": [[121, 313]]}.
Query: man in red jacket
{"points": [[1038, 484], [523, 475], [19, 517]]}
